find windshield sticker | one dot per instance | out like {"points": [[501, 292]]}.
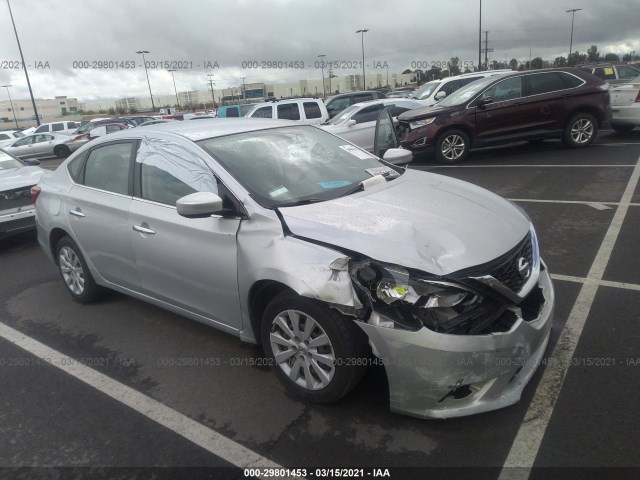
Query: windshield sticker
{"points": [[334, 184], [386, 172], [277, 192], [361, 154]]}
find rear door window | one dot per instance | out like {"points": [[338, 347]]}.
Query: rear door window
{"points": [[312, 110], [368, 114], [42, 129], [108, 168], [540, 83], [57, 127], [289, 111]]}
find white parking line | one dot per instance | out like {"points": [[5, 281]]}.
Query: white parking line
{"points": [[603, 283], [526, 444], [577, 202], [524, 166], [184, 426]]}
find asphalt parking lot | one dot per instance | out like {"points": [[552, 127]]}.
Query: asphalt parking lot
{"points": [[121, 383]]}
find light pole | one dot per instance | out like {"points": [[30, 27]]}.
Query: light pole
{"points": [[480, 39], [363, 31], [321, 57], [11, 102], [144, 61], [174, 86], [213, 100], [24, 66], [573, 14], [244, 89]]}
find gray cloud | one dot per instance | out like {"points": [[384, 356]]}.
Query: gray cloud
{"points": [[63, 31]]}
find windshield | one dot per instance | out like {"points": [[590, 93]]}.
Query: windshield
{"points": [[18, 134], [302, 164], [344, 115], [7, 161], [425, 90], [466, 93]]}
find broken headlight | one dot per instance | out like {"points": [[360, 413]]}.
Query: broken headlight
{"points": [[413, 300]]}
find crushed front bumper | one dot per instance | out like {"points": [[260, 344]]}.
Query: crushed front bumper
{"points": [[434, 375]]}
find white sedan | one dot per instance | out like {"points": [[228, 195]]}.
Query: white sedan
{"points": [[357, 123], [625, 106]]}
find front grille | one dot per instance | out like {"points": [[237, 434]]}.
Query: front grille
{"points": [[16, 198], [504, 268], [508, 273]]}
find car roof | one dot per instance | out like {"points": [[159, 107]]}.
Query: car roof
{"points": [[346, 94], [388, 101], [214, 127]]}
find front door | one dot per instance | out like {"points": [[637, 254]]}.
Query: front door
{"points": [[190, 263]]}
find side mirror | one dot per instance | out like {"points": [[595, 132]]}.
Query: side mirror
{"points": [[484, 101], [199, 205], [32, 162], [398, 156], [440, 95], [351, 123]]}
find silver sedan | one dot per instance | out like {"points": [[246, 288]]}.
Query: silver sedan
{"points": [[44, 145], [331, 258]]}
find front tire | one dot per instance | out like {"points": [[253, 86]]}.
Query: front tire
{"points": [[580, 131], [317, 353], [74, 271], [61, 151], [452, 146]]}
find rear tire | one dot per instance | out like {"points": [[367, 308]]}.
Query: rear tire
{"points": [[452, 146], [317, 353], [580, 130], [61, 151], [74, 271], [623, 128]]}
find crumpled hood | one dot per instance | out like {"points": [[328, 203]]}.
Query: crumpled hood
{"points": [[19, 177], [420, 220]]}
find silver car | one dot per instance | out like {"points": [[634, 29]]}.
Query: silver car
{"points": [[44, 145], [334, 260], [17, 213]]}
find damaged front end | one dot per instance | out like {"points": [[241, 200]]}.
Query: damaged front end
{"points": [[461, 344]]}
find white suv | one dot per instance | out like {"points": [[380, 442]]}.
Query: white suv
{"points": [[432, 92], [65, 127], [310, 111]]}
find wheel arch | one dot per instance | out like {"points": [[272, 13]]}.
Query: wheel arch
{"points": [[260, 294], [594, 112], [54, 237]]}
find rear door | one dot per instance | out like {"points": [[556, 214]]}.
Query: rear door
{"points": [[97, 210], [43, 145], [547, 95], [190, 263]]}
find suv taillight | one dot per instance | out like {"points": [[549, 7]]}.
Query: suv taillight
{"points": [[35, 192]]}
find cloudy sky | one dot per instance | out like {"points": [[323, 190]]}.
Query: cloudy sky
{"points": [[202, 32]]}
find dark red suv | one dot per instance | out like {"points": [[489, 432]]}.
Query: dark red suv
{"points": [[553, 103]]}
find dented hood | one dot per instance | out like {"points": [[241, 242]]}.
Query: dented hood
{"points": [[420, 220]]}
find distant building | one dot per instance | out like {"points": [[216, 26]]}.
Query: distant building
{"points": [[49, 109]]}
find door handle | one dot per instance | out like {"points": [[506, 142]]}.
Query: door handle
{"points": [[77, 213], [141, 229]]}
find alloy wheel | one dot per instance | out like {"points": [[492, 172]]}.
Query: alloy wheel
{"points": [[302, 349], [72, 271], [582, 131], [453, 147]]}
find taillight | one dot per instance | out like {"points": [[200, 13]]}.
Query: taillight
{"points": [[80, 137], [638, 97], [35, 193]]}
